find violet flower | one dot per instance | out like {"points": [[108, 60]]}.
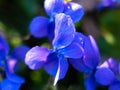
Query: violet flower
{"points": [[91, 56], [12, 81], [107, 3], [89, 61], [54, 61], [42, 26], [107, 74], [104, 75]]}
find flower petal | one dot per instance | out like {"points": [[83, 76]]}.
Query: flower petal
{"points": [[74, 10], [92, 55], [112, 64], [89, 83], [62, 69], [19, 52], [79, 65], [74, 50], [53, 6], [52, 64], [36, 57], [80, 38], [106, 3], [38, 26], [6, 84], [104, 76], [4, 48], [51, 28], [114, 86], [14, 78], [12, 64], [64, 31]]}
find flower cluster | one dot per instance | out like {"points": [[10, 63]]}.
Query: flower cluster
{"points": [[70, 46], [67, 47], [67, 44]]}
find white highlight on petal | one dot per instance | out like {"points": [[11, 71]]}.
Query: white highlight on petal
{"points": [[57, 76]]}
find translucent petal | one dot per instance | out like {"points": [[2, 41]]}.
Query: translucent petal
{"points": [[92, 55], [19, 52], [11, 64], [62, 69], [104, 76], [36, 57], [80, 38], [74, 10], [4, 48], [52, 64], [64, 31], [53, 6], [74, 50], [38, 26], [112, 64]]}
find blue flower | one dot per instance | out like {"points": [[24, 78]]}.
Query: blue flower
{"points": [[107, 3], [61, 6], [12, 81], [54, 61], [41, 26], [107, 73], [104, 75], [90, 60], [91, 56]]}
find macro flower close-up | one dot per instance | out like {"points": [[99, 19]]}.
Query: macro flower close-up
{"points": [[60, 45]]}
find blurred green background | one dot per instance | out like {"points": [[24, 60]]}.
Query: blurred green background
{"points": [[15, 16]]}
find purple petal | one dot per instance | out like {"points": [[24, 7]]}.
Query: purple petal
{"points": [[106, 3], [112, 64], [104, 76], [20, 52], [62, 69], [74, 50], [92, 55], [52, 64], [64, 31], [53, 6], [4, 48], [79, 65], [74, 10], [11, 64], [38, 26], [36, 57], [89, 83]]}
